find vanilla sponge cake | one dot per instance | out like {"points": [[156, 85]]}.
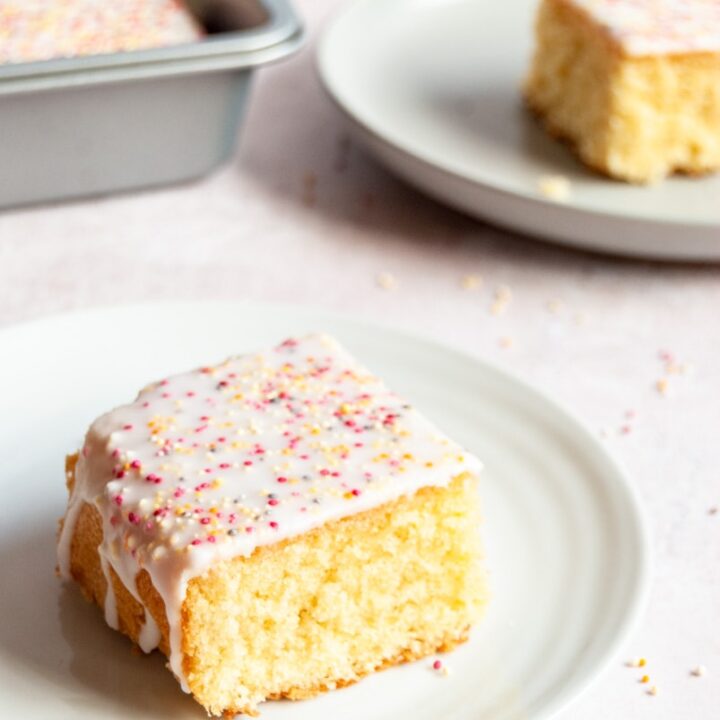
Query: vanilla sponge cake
{"points": [[633, 85], [278, 525], [43, 29]]}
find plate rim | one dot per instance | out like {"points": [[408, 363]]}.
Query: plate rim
{"points": [[640, 584], [374, 134]]}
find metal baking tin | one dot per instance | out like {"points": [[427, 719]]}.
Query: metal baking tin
{"points": [[91, 125]]}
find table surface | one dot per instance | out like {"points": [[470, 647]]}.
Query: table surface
{"points": [[303, 215]]}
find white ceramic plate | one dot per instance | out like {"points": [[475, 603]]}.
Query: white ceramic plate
{"points": [[433, 88], [565, 541]]}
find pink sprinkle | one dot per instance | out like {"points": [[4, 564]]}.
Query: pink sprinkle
{"points": [[211, 539], [224, 466], [282, 479], [324, 472], [133, 518], [205, 521], [135, 464], [437, 665], [273, 501], [356, 492], [179, 493], [114, 454], [127, 427], [247, 463], [119, 473], [118, 500], [190, 393], [153, 478], [196, 542], [248, 529], [273, 525]]}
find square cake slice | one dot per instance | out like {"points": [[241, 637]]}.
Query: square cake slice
{"points": [[632, 85], [278, 525]]}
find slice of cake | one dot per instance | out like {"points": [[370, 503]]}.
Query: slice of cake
{"points": [[633, 85], [44, 29], [278, 525]]}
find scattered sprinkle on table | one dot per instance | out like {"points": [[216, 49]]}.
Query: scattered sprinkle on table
{"points": [[386, 281], [699, 671], [470, 282], [501, 299]]}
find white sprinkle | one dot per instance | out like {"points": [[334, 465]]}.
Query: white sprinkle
{"points": [[653, 691], [554, 187], [699, 671]]}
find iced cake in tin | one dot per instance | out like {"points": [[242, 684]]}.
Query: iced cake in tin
{"points": [[278, 525], [44, 29], [633, 85]]}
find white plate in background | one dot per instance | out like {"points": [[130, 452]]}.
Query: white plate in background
{"points": [[566, 544], [432, 87]]}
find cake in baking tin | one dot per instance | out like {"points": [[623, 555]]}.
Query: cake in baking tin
{"points": [[633, 85], [45, 29], [278, 525]]}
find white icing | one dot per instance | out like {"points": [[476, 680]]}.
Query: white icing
{"points": [[654, 27], [110, 603], [208, 465]]}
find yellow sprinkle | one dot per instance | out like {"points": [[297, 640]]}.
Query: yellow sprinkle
{"points": [[642, 662], [645, 679], [662, 386]]}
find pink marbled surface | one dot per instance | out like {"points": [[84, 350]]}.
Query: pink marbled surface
{"points": [[586, 329]]}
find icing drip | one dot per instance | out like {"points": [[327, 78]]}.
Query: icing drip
{"points": [[110, 604], [208, 465], [652, 27]]}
